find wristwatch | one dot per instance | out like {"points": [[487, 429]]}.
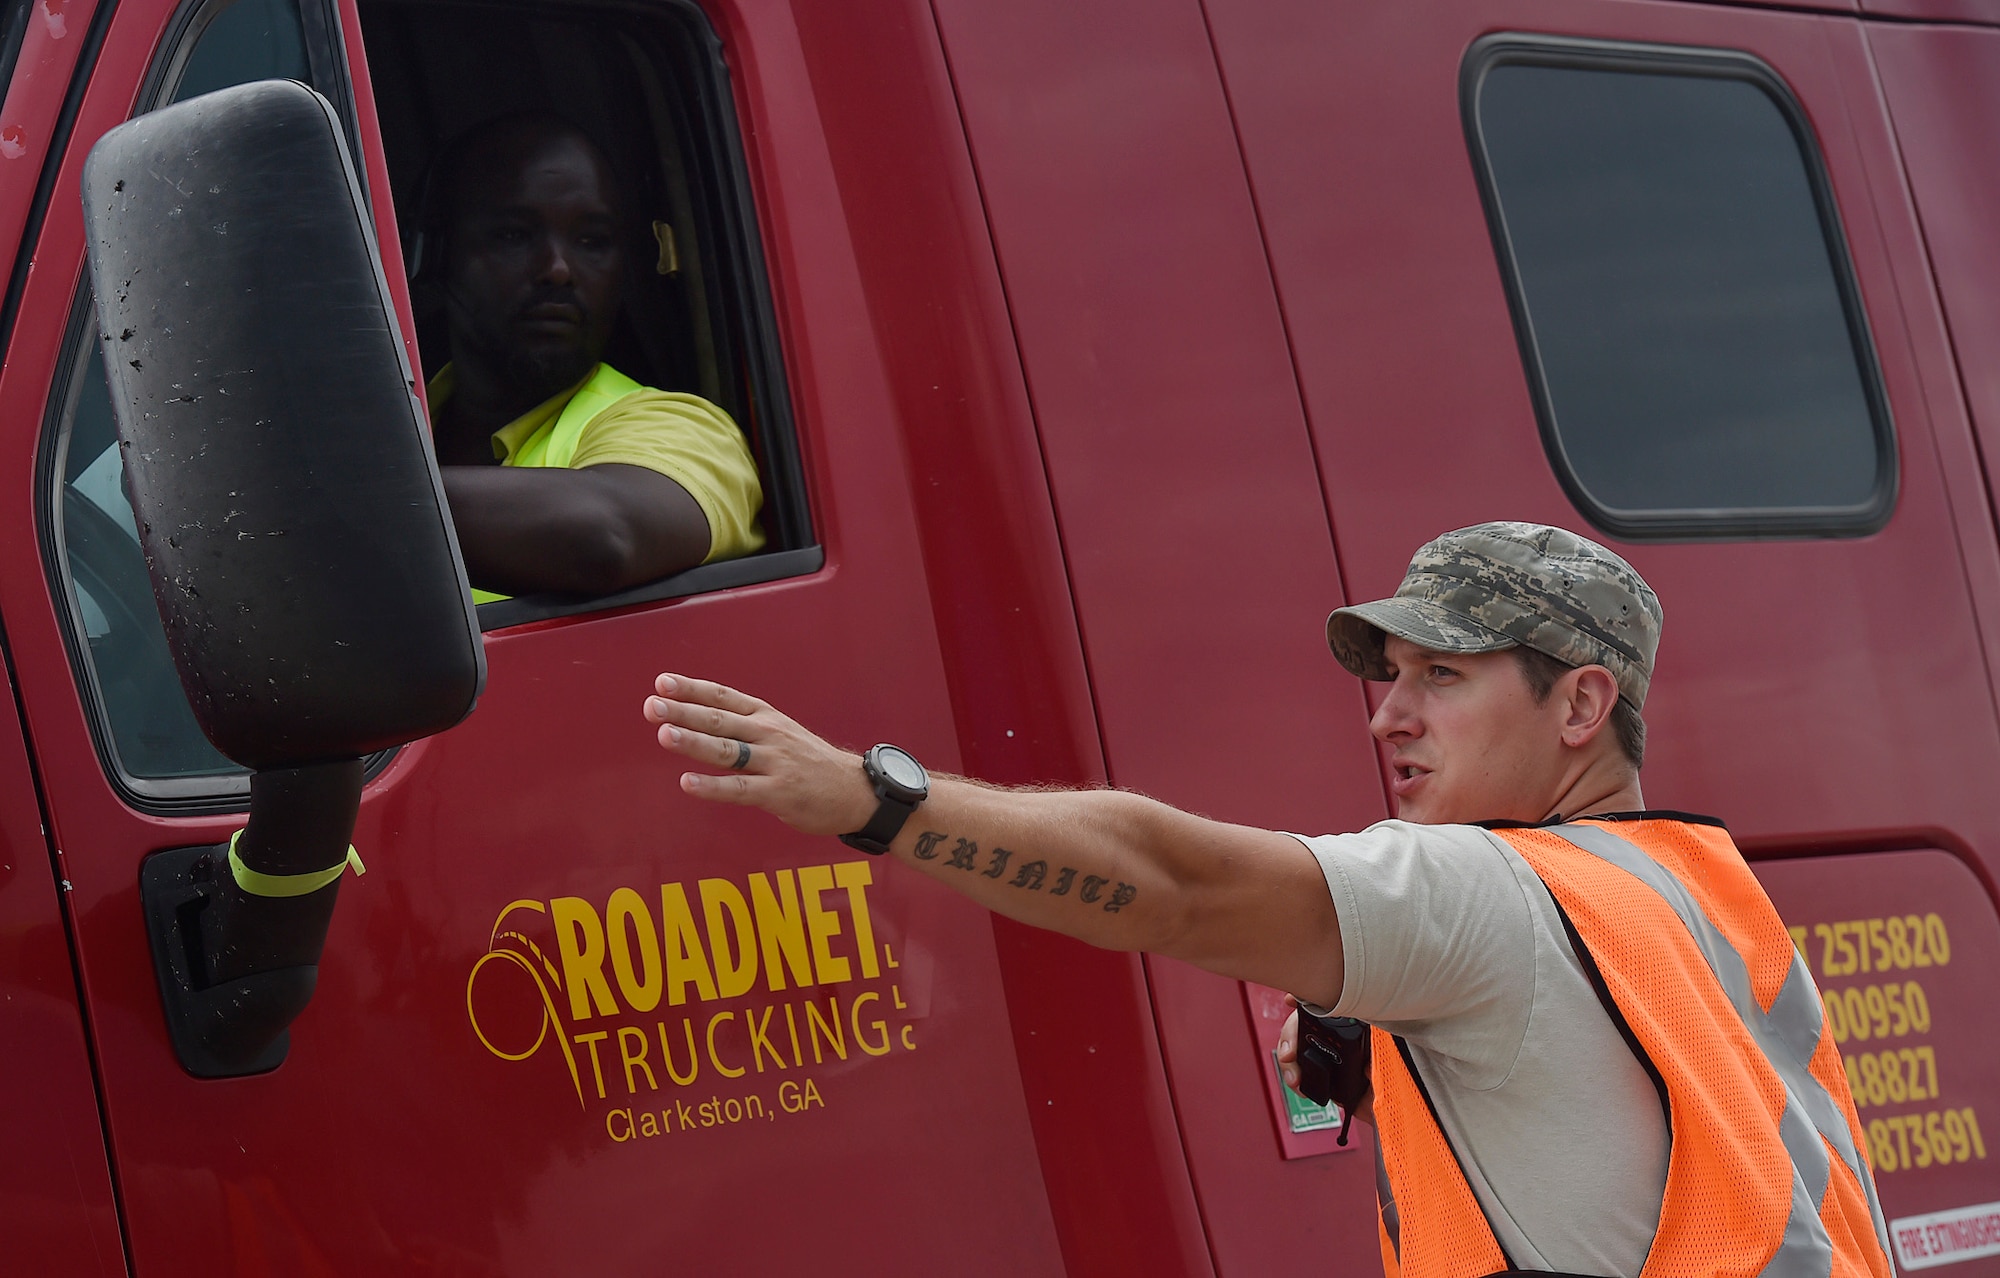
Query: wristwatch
{"points": [[901, 784]]}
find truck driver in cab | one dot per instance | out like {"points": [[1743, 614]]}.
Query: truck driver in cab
{"points": [[563, 474]]}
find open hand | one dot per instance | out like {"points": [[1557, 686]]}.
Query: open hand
{"points": [[768, 761]]}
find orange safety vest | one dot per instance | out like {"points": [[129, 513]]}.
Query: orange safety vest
{"points": [[1766, 1173]]}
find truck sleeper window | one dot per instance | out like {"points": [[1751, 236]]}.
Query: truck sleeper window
{"points": [[1693, 338]]}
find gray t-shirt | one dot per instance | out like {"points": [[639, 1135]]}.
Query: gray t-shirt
{"points": [[1452, 942]]}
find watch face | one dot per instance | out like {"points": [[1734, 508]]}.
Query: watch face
{"points": [[900, 768]]}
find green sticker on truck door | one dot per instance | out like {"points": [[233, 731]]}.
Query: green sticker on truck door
{"points": [[1305, 1115]]}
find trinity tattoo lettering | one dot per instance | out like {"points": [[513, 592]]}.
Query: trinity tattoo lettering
{"points": [[1029, 876]]}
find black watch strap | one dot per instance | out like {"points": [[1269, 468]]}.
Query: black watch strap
{"points": [[900, 784], [882, 828]]}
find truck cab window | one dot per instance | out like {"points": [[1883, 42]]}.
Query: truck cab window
{"points": [[244, 41], [151, 742], [153, 733], [667, 381], [1692, 334], [680, 388]]}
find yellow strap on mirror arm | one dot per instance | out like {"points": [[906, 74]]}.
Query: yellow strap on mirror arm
{"points": [[258, 883]]}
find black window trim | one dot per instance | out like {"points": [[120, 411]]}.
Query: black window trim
{"points": [[702, 579], [1731, 524]]}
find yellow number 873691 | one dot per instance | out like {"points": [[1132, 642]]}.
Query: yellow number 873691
{"points": [[1939, 1137]]}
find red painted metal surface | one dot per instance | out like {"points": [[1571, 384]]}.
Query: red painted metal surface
{"points": [[1942, 86], [1903, 946], [1197, 540], [50, 45], [56, 1208], [1081, 1018], [1121, 336], [1925, 341], [1986, 11]]}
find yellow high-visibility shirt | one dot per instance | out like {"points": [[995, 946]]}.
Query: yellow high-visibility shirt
{"points": [[608, 417]]}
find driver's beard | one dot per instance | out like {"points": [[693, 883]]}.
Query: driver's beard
{"points": [[530, 376], [539, 375]]}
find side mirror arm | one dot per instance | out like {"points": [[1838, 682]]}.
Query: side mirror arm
{"points": [[236, 967]]}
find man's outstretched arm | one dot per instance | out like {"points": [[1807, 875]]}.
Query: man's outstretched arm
{"points": [[1118, 870]]}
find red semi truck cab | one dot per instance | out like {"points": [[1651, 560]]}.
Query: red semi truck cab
{"points": [[1091, 352]]}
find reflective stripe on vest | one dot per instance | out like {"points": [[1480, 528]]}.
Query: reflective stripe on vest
{"points": [[555, 443], [1755, 1110]]}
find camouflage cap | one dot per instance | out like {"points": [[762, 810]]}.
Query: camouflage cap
{"points": [[1503, 585]]}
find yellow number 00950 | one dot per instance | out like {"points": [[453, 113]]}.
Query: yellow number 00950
{"points": [[1863, 1012]]}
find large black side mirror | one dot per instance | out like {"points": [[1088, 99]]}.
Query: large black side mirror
{"points": [[292, 520]]}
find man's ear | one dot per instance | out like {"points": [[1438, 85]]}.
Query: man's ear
{"points": [[1590, 694]]}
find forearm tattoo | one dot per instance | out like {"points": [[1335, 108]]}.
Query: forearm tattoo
{"points": [[1029, 876]]}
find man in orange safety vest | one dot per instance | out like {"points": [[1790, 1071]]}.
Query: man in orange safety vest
{"points": [[1595, 1050]]}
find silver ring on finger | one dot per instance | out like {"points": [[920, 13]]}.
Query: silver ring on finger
{"points": [[742, 756]]}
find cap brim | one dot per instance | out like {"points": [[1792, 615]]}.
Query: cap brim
{"points": [[1356, 633]]}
